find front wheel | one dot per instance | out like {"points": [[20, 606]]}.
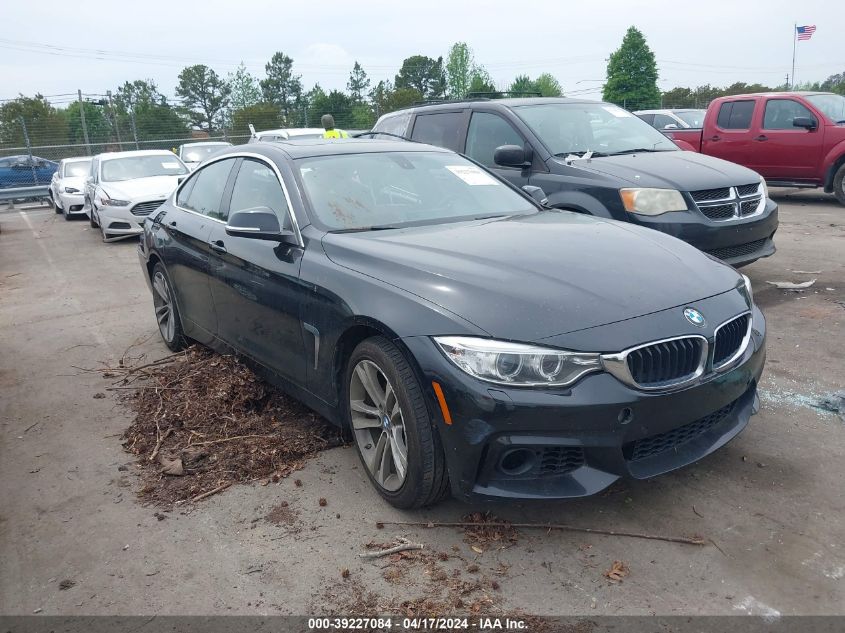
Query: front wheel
{"points": [[390, 423], [167, 314], [91, 219], [839, 184], [56, 206]]}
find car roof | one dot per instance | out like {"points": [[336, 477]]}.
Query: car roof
{"points": [[670, 110], [792, 93], [513, 102], [293, 131], [138, 152], [332, 147], [206, 143], [72, 159]]}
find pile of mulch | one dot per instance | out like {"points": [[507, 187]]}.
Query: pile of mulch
{"points": [[204, 422]]}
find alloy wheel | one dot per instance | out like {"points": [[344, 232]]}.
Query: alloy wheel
{"points": [[378, 425], [163, 302]]}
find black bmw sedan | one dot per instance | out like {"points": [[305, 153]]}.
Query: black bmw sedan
{"points": [[471, 340]]}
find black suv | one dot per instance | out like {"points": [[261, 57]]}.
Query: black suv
{"points": [[599, 159]]}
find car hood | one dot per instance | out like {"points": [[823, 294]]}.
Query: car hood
{"points": [[684, 171], [531, 277], [77, 182], [152, 187]]}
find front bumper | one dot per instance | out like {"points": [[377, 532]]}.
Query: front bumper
{"points": [[120, 221], [736, 242], [578, 441], [72, 203]]}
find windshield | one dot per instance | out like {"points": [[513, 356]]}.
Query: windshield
{"points": [[198, 153], [393, 189], [77, 168], [131, 167], [693, 118], [833, 106], [598, 127]]}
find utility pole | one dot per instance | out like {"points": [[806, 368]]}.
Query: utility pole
{"points": [[84, 127], [114, 121], [29, 150], [134, 129]]}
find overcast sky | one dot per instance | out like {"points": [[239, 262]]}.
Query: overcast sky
{"points": [[56, 47]]}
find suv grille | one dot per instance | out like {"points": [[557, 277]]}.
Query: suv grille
{"points": [[728, 203], [666, 362], [739, 250], [720, 211], [145, 208], [558, 460], [729, 338], [711, 194], [748, 190], [657, 444]]}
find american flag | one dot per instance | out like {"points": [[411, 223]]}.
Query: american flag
{"points": [[805, 32]]}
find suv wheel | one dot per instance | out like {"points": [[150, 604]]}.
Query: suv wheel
{"points": [[391, 426], [91, 219], [839, 184], [167, 314]]}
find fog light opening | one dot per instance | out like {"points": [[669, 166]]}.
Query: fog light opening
{"points": [[625, 415], [517, 461]]}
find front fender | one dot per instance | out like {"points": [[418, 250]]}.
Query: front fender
{"points": [[578, 201], [831, 162]]}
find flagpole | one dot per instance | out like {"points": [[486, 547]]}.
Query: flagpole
{"points": [[794, 41]]}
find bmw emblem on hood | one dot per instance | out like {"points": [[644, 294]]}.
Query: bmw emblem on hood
{"points": [[694, 316]]}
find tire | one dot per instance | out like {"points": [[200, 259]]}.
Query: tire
{"points": [[91, 219], [103, 233], [68, 217], [166, 311], [839, 184], [397, 415], [56, 206]]}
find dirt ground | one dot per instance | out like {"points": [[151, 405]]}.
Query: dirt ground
{"points": [[75, 540]]}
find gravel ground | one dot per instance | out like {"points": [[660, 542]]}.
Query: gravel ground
{"points": [[75, 540]]}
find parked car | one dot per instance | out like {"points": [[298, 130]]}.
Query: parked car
{"points": [[680, 119], [125, 187], [285, 134], [192, 154], [794, 139], [598, 159], [68, 184], [471, 339], [25, 171]]}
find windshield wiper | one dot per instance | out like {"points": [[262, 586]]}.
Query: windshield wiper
{"points": [[579, 154], [383, 227], [638, 150]]}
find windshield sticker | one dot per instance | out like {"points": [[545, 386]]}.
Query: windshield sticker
{"points": [[171, 165], [472, 175], [617, 112]]}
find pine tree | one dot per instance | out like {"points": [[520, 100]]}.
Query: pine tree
{"points": [[632, 74]]}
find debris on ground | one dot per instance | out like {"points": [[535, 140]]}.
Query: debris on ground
{"points": [[402, 545], [283, 515], [617, 571], [99, 395], [487, 531], [66, 584], [834, 402], [205, 421], [789, 285]]}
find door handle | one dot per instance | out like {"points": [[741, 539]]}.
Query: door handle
{"points": [[715, 137], [762, 137], [218, 246]]}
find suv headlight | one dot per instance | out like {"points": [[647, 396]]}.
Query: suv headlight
{"points": [[764, 188], [517, 364], [111, 202], [652, 201]]}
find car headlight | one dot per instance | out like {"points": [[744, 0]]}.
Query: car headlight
{"points": [[71, 190], [111, 202], [749, 291], [652, 201], [517, 364], [765, 188]]}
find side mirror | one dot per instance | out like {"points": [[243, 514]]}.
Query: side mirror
{"points": [[671, 126], [513, 156], [805, 122], [258, 223], [536, 193]]}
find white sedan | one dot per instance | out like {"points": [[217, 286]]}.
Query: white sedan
{"points": [[125, 187], [68, 184], [192, 154]]}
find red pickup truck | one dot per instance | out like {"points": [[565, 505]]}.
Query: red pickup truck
{"points": [[792, 139]]}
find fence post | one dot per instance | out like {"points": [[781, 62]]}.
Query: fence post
{"points": [[114, 121], [84, 127], [134, 130], [29, 151]]}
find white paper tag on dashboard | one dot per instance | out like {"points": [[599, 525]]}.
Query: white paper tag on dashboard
{"points": [[472, 175], [171, 165]]}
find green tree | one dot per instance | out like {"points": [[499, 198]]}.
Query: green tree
{"points": [[548, 86], [363, 116], [135, 93], [99, 128], [482, 84], [358, 83], [522, 84], [155, 121], [204, 96], [45, 124], [632, 74], [263, 115], [245, 89], [459, 67], [336, 103], [281, 86], [423, 74]]}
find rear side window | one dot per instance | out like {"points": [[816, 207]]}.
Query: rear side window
{"points": [[648, 118], [661, 121], [256, 185], [486, 132], [443, 129], [735, 115], [206, 192], [393, 124], [780, 113]]}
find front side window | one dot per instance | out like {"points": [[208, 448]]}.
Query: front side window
{"points": [[693, 118], [352, 192], [661, 122], [256, 186], [486, 132], [601, 128], [780, 113], [442, 129], [206, 189], [132, 167], [735, 115], [833, 106]]}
